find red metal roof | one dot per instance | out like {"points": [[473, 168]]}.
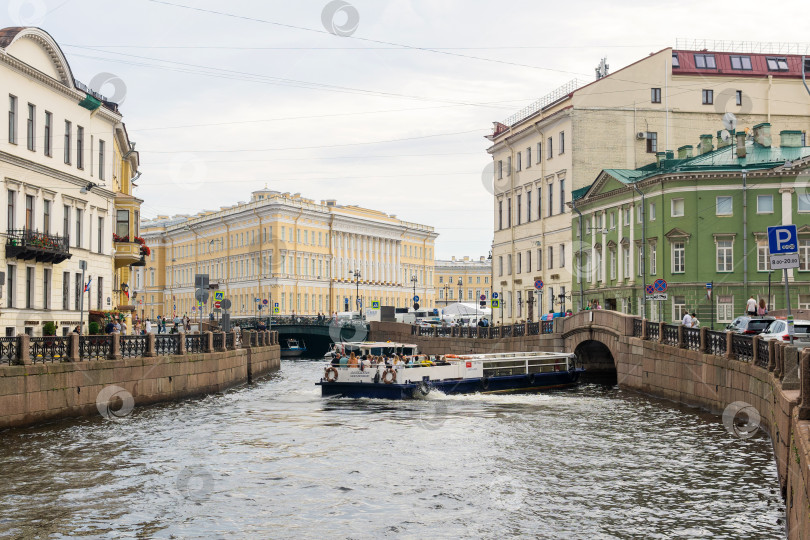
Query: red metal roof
{"points": [[759, 65]]}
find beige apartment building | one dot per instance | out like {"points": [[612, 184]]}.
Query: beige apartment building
{"points": [[307, 257], [663, 102], [462, 280]]}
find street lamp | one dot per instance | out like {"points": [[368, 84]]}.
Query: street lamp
{"points": [[357, 276], [414, 280], [446, 289]]}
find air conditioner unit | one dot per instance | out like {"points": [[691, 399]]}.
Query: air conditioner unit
{"points": [[641, 135]]}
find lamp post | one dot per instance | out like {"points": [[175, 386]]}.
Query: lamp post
{"points": [[446, 289], [414, 281], [357, 276]]}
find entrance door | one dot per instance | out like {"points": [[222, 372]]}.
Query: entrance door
{"points": [[610, 303]]}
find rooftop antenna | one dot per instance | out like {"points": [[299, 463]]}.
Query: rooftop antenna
{"points": [[602, 69]]}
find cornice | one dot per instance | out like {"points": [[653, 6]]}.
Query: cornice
{"points": [[44, 170]]}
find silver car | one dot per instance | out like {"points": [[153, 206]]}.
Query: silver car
{"points": [[778, 330]]}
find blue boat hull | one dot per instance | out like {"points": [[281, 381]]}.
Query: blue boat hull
{"points": [[487, 385]]}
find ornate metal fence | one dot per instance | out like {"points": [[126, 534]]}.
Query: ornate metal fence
{"points": [[691, 338], [219, 341], [763, 354], [95, 347], [167, 344], [716, 343], [637, 327], [194, 343], [506, 331], [133, 346], [48, 348], [653, 331], [533, 328], [519, 330], [548, 327], [9, 350], [229, 340], [742, 347], [671, 335]]}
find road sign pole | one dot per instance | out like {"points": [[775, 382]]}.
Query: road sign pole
{"points": [[787, 297], [711, 301]]}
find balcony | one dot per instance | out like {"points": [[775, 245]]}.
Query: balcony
{"points": [[126, 253], [32, 245]]}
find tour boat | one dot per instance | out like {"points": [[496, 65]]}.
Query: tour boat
{"points": [[293, 348], [450, 374]]}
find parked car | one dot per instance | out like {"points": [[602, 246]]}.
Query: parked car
{"points": [[750, 325], [779, 330]]}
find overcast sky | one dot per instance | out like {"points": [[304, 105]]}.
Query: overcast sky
{"points": [[248, 93]]}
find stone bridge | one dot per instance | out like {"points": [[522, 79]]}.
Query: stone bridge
{"points": [[317, 334], [715, 370]]}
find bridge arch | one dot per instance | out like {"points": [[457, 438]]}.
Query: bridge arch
{"points": [[597, 349]]}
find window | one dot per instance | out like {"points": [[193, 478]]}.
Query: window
{"points": [[597, 262], [639, 213], [519, 164], [79, 147], [612, 220], [509, 264], [738, 97], [562, 195], [539, 259], [46, 288], [677, 207], [29, 287], [562, 142], [678, 308], [640, 259], [528, 205], [519, 267], [626, 212], [66, 290], [562, 255], [12, 119], [676, 63], [725, 309], [10, 283], [500, 265], [764, 261], [78, 227], [741, 62], [625, 262], [705, 61], [655, 95], [508, 212], [539, 202], [509, 166], [99, 293], [12, 197], [100, 235], [67, 142], [48, 134], [725, 255], [550, 208], [653, 259], [539, 152], [804, 301], [804, 255], [550, 257], [122, 223], [652, 142], [29, 212], [804, 202], [77, 290], [46, 216], [66, 221], [724, 206], [528, 263], [519, 209], [777, 63], [500, 215], [764, 204], [528, 157], [678, 257], [30, 127], [500, 169], [708, 97], [549, 148], [101, 159]]}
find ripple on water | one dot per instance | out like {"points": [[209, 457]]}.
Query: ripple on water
{"points": [[274, 459]]}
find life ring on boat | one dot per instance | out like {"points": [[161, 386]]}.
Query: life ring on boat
{"points": [[484, 383], [393, 378], [451, 356], [422, 389], [330, 371]]}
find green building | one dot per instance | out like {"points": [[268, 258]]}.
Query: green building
{"points": [[692, 220]]}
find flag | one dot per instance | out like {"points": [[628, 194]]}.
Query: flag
{"points": [[87, 287]]}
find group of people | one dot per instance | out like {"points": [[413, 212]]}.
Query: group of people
{"points": [[753, 309], [690, 320], [366, 361]]}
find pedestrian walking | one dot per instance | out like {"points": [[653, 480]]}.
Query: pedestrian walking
{"points": [[687, 320], [751, 306]]}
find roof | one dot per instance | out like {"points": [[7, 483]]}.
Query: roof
{"points": [[759, 65]]}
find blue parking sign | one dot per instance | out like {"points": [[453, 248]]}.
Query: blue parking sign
{"points": [[783, 239]]}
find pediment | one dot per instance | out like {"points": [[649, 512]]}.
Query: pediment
{"points": [[678, 233], [36, 48]]}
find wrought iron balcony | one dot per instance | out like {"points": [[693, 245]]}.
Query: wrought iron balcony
{"points": [[32, 245]]}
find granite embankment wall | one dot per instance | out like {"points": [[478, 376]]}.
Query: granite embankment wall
{"points": [[772, 378], [34, 392]]}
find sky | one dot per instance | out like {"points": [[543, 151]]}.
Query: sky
{"points": [[378, 104]]}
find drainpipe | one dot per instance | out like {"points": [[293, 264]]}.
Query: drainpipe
{"points": [[643, 249], [745, 233], [581, 238], [804, 80], [261, 263], [770, 85]]}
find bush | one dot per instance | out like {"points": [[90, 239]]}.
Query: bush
{"points": [[94, 328], [49, 329]]}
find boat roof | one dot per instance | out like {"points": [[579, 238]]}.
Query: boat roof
{"points": [[370, 344]]}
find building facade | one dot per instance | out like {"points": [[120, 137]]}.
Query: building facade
{"points": [[462, 280], [307, 257], [62, 164], [561, 142], [703, 220]]}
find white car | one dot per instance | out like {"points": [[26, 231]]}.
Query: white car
{"points": [[778, 329]]}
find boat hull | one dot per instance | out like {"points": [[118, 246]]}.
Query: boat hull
{"points": [[292, 353], [485, 385]]}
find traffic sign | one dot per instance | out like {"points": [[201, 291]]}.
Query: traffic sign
{"points": [[225, 304], [275, 310], [786, 260], [496, 303], [538, 284], [275, 304], [650, 289], [201, 295], [217, 304], [219, 295], [783, 239], [375, 305], [415, 298], [483, 297], [265, 301], [660, 285], [708, 285], [494, 296], [657, 296]]}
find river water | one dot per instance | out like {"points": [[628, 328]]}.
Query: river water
{"points": [[275, 460]]}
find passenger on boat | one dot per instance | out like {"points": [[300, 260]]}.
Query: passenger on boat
{"points": [[353, 361], [335, 359], [344, 361]]}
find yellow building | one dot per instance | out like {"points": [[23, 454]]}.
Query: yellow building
{"points": [[307, 257], [462, 280], [560, 143]]}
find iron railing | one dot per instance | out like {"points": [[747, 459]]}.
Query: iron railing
{"points": [[33, 245], [637, 327], [716, 342], [506, 331], [691, 339], [254, 339], [548, 327], [763, 353], [653, 331], [742, 347], [194, 343], [519, 330], [48, 348], [9, 350], [219, 341], [533, 328], [229, 340], [671, 335], [133, 346], [167, 344], [95, 347]]}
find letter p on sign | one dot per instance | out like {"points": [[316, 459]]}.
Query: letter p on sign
{"points": [[782, 239]]}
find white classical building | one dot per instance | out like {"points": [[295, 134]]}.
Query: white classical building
{"points": [[60, 163]]}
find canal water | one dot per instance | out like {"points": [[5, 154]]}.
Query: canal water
{"points": [[275, 460]]}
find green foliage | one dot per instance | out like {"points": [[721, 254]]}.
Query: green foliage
{"points": [[94, 328], [49, 329]]}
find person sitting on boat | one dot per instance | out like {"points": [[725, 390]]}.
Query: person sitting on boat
{"points": [[344, 361], [335, 359], [353, 360]]}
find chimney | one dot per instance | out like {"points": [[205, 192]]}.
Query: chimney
{"points": [[740, 144], [685, 151], [790, 139], [670, 154], [723, 143], [659, 157], [706, 145], [762, 134]]}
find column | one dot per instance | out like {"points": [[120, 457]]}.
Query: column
{"points": [[619, 247], [632, 245]]}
